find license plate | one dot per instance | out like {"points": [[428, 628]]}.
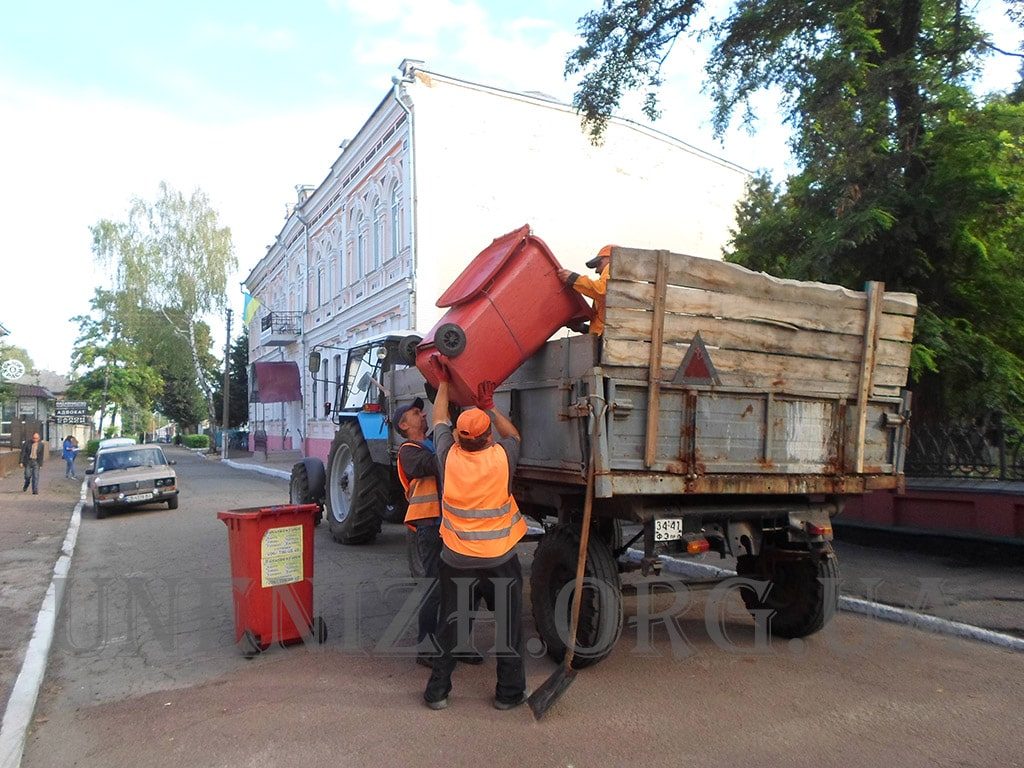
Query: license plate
{"points": [[668, 529], [139, 497]]}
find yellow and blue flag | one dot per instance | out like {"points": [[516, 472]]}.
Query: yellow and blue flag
{"points": [[249, 308]]}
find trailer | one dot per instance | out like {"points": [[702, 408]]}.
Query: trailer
{"points": [[723, 411]]}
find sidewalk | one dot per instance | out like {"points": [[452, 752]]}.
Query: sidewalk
{"points": [[32, 529]]}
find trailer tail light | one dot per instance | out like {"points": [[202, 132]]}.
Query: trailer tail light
{"points": [[819, 530], [372, 408], [698, 546]]}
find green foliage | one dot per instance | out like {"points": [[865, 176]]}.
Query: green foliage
{"points": [[91, 447], [196, 441], [171, 258], [904, 177]]}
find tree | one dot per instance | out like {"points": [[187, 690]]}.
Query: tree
{"points": [[238, 384], [171, 256], [111, 369], [904, 177]]}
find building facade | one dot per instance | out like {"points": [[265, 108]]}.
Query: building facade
{"points": [[439, 169]]}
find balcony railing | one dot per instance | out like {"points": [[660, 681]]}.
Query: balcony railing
{"points": [[280, 328]]}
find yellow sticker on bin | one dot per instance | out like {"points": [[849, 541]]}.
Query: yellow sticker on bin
{"points": [[281, 556]]}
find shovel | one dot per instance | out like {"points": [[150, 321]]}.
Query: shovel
{"points": [[558, 683]]}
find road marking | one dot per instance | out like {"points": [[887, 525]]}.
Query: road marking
{"points": [[857, 605], [22, 703]]}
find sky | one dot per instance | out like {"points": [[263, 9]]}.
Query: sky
{"points": [[245, 99]]}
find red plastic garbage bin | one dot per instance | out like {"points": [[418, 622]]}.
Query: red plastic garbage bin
{"points": [[503, 307], [271, 551]]}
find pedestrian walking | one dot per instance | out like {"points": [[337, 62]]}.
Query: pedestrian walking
{"points": [[69, 450], [33, 454], [480, 526], [418, 472]]}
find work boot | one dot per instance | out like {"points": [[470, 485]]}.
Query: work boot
{"points": [[499, 704], [439, 704]]}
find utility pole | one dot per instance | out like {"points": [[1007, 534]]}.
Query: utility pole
{"points": [[227, 392]]}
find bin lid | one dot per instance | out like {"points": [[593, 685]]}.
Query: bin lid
{"points": [[484, 267], [255, 513]]}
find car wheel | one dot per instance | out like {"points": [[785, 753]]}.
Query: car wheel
{"points": [[172, 503], [100, 511]]}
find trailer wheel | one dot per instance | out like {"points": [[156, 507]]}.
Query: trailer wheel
{"points": [[300, 488], [804, 591], [450, 339], [356, 488], [554, 567], [412, 552]]}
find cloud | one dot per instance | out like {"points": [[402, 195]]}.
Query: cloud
{"points": [[249, 35], [74, 158]]}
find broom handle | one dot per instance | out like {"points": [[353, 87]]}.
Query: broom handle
{"points": [[581, 562]]}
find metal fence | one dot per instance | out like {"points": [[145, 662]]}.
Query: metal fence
{"points": [[281, 322], [983, 449]]}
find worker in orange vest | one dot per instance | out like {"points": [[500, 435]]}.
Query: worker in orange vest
{"points": [[594, 289], [480, 526], [418, 472]]}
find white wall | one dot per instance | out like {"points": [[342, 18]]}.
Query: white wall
{"points": [[488, 162]]}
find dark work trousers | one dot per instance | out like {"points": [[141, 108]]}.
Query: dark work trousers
{"points": [[32, 475], [428, 548], [501, 588]]}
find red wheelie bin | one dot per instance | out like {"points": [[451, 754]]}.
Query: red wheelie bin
{"points": [[271, 551], [502, 309]]}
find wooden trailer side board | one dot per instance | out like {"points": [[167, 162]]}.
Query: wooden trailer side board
{"points": [[760, 331]]}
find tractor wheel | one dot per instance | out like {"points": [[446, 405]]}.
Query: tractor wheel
{"points": [[356, 488]]}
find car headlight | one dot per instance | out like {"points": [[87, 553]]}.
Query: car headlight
{"points": [[112, 488], [163, 482]]}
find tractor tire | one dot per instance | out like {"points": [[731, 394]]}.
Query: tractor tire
{"points": [[803, 592], [407, 349], [600, 623], [356, 488]]}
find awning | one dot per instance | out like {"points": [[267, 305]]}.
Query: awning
{"points": [[275, 383]]}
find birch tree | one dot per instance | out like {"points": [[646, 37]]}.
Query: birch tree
{"points": [[172, 256]]}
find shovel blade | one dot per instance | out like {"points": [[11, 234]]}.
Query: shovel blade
{"points": [[550, 691]]}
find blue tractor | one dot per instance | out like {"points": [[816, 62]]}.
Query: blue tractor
{"points": [[359, 487]]}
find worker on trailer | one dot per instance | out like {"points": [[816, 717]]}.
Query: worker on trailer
{"points": [[418, 472], [591, 288], [480, 526]]}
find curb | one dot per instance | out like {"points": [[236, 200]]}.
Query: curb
{"points": [[879, 611], [22, 703], [280, 473]]}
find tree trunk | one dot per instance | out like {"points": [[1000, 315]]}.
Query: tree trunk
{"points": [[200, 378]]}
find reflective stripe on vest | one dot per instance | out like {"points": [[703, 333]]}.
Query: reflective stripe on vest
{"points": [[479, 516], [421, 493]]}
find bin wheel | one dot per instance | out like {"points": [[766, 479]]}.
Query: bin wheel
{"points": [[319, 630], [407, 349], [450, 340], [249, 645]]}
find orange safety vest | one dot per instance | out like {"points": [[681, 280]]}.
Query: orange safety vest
{"points": [[421, 492], [596, 290], [479, 516]]}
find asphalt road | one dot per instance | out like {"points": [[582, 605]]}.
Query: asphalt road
{"points": [[144, 672]]}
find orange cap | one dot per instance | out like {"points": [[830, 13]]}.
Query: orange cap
{"points": [[473, 423], [604, 252]]}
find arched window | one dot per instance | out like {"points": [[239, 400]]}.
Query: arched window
{"points": [[360, 245], [396, 220], [378, 232]]}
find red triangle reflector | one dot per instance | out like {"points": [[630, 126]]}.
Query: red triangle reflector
{"points": [[696, 367]]}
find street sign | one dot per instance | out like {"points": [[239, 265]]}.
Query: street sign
{"points": [[72, 412]]}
